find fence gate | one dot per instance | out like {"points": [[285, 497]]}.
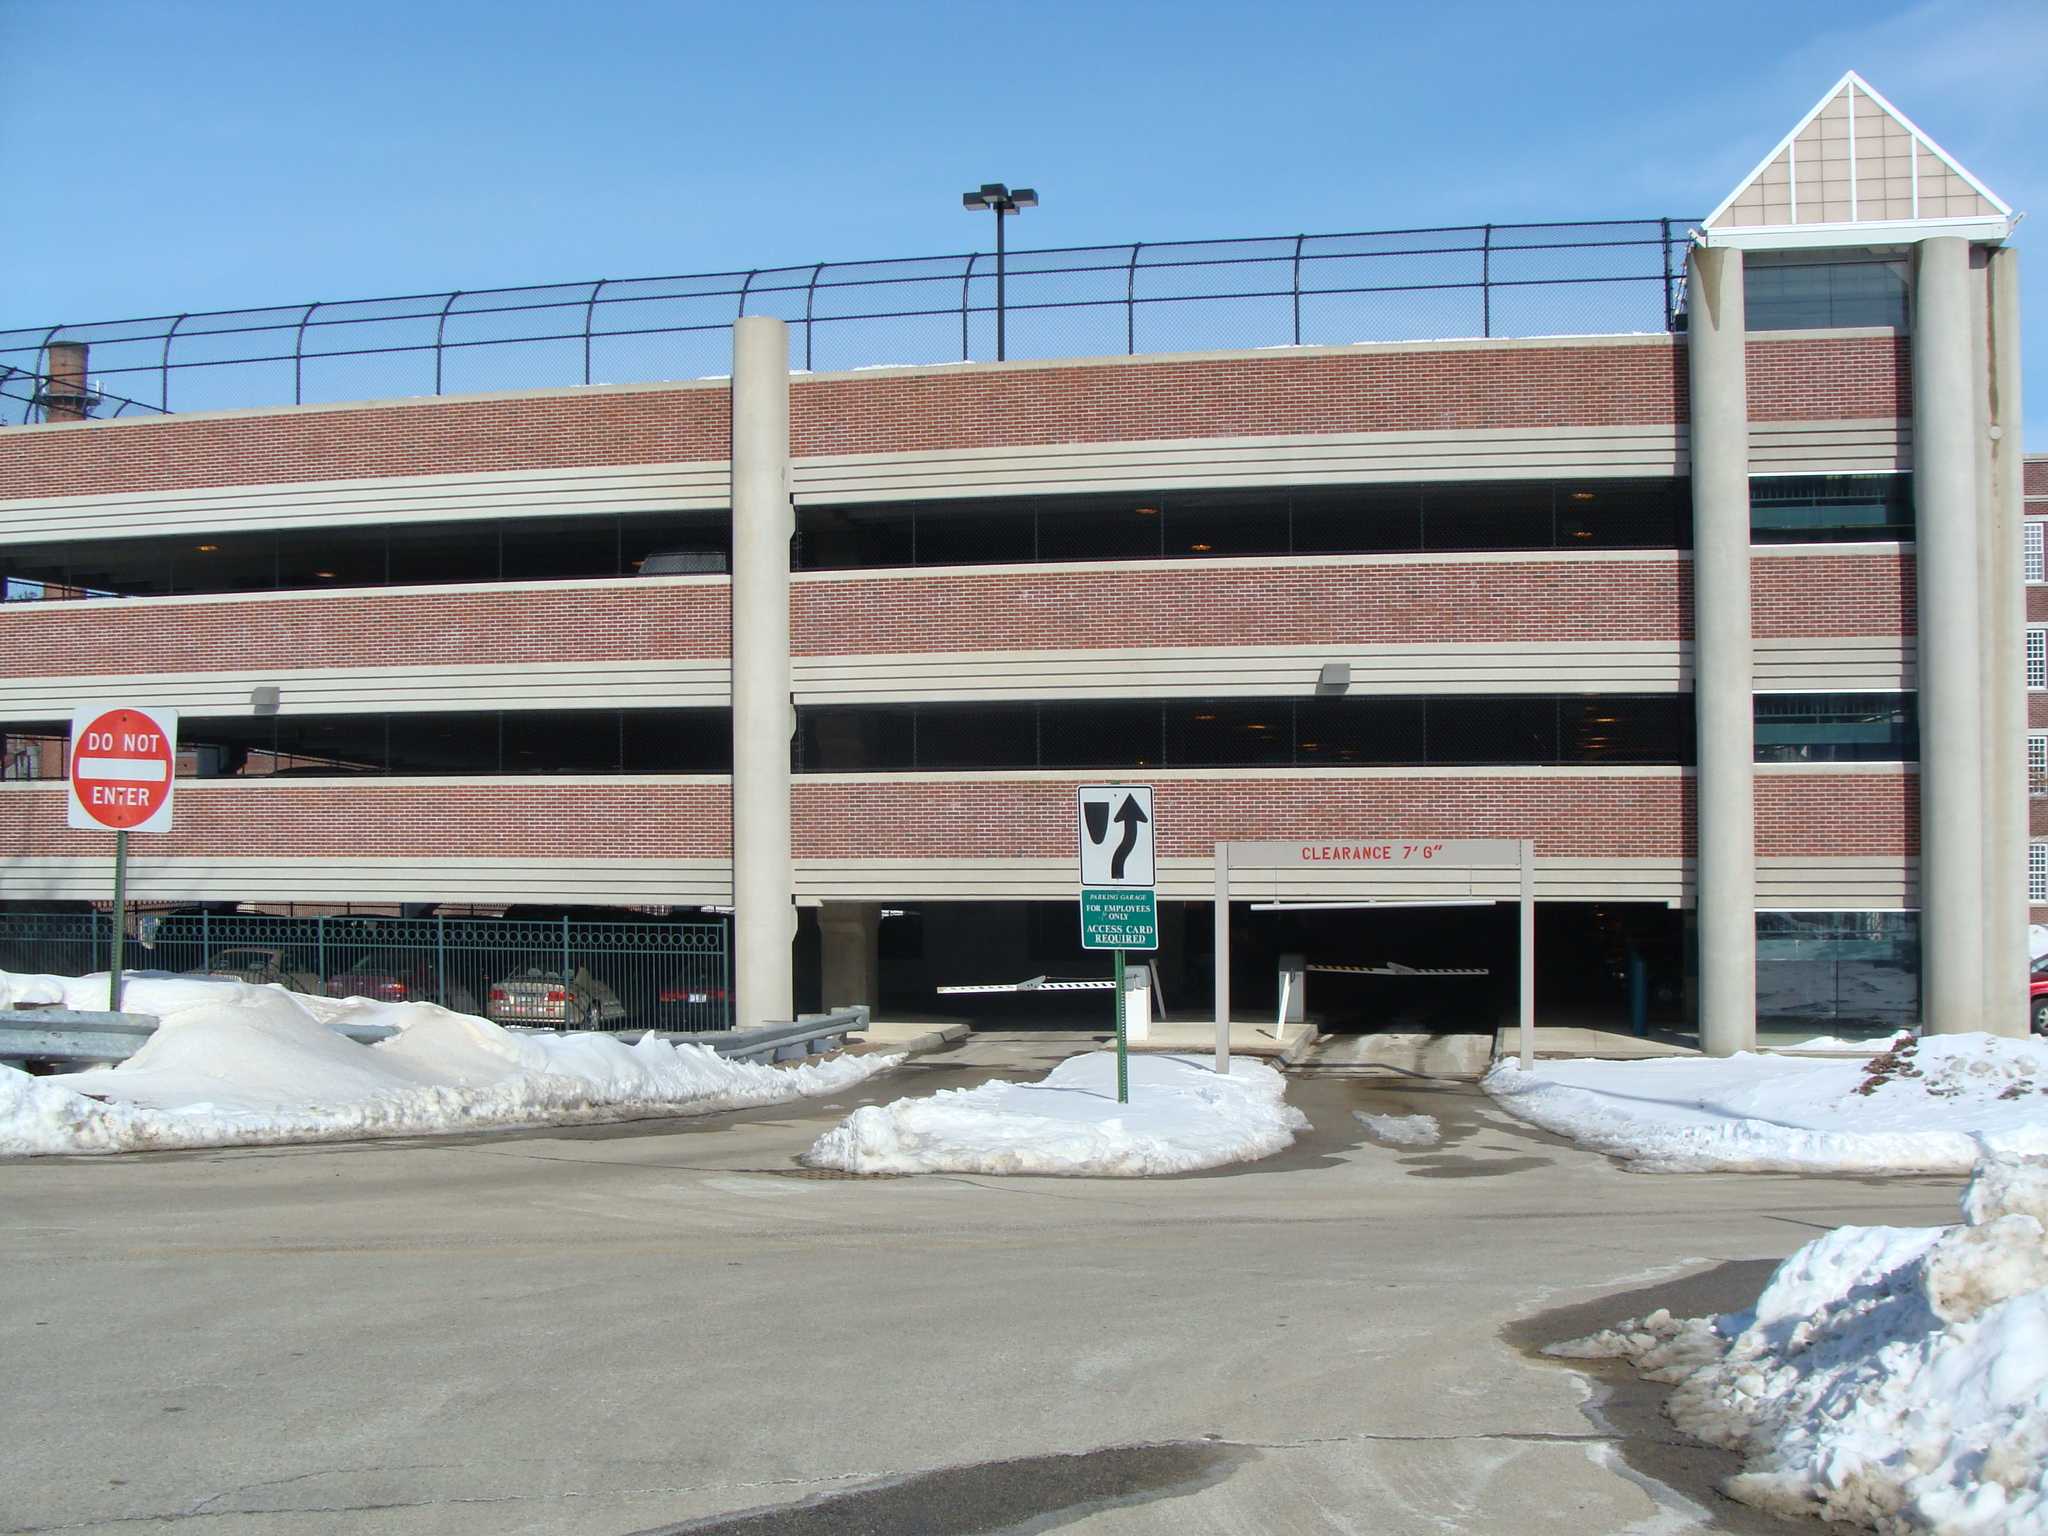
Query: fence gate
{"points": [[551, 973]]}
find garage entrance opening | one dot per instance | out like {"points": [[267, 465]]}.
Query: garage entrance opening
{"points": [[1409, 969], [1382, 876], [1613, 966]]}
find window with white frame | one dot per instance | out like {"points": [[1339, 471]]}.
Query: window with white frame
{"points": [[2037, 872], [2037, 762], [2037, 561], [2037, 656]]}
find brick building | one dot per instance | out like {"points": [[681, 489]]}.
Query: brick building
{"points": [[1705, 612]]}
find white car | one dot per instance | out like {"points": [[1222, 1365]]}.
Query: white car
{"points": [[554, 1001]]}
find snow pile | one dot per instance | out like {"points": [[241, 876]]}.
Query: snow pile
{"points": [[233, 1064], [1402, 1130], [1181, 1116], [1922, 1106], [1847, 1045], [1892, 1376]]}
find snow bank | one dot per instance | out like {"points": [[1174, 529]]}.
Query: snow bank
{"points": [[1922, 1106], [232, 1064], [1402, 1130], [1181, 1116], [1892, 1376]]}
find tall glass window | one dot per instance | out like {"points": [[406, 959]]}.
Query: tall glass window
{"points": [[1838, 970], [471, 743], [1829, 509], [596, 545], [1521, 729], [1837, 728], [1192, 525], [1791, 294]]}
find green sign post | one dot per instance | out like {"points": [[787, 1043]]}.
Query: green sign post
{"points": [[1119, 920], [1119, 902]]}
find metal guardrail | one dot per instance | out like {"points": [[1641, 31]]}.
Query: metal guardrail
{"points": [[1482, 280], [810, 1035], [61, 1034]]}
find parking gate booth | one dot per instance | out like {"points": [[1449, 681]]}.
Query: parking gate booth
{"points": [[1309, 873]]}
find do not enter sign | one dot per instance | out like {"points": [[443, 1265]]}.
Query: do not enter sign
{"points": [[121, 767]]}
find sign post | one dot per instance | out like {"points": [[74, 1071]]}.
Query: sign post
{"points": [[1119, 886], [120, 772]]}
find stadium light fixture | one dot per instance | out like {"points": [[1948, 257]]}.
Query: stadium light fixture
{"points": [[1001, 201]]}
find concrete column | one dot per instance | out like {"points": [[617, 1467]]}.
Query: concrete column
{"points": [[1952, 829], [2002, 639], [849, 935], [763, 718], [1723, 661]]}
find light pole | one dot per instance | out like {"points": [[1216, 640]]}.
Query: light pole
{"points": [[1002, 200]]}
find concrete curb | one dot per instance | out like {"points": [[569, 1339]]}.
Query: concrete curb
{"points": [[920, 1045], [1298, 1051]]}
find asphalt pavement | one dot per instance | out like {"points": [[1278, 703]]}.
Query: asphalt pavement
{"points": [[672, 1326]]}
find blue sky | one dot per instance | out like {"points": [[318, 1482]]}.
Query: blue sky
{"points": [[164, 155]]}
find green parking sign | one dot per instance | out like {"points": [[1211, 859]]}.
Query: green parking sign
{"points": [[1113, 918]]}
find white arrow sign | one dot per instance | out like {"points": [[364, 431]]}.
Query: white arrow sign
{"points": [[1116, 833]]}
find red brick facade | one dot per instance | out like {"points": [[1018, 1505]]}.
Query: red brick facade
{"points": [[1631, 383], [532, 818], [1366, 391], [430, 437], [369, 629], [1829, 378], [1578, 815], [1569, 815], [1027, 608], [1046, 607], [1529, 602], [1816, 596], [1804, 814]]}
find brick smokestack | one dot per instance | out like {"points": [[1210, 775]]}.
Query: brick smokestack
{"points": [[65, 395]]}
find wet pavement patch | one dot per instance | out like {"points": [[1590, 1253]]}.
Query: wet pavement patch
{"points": [[1631, 1409], [1031, 1493]]}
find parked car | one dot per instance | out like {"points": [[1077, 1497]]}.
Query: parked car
{"points": [[551, 999], [691, 1005], [400, 976], [258, 967], [2037, 996]]}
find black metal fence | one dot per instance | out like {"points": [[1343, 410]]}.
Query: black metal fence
{"points": [[548, 973], [1481, 280]]}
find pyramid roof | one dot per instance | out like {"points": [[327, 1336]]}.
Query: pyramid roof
{"points": [[1855, 171]]}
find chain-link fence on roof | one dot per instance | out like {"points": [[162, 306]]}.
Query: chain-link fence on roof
{"points": [[1482, 280]]}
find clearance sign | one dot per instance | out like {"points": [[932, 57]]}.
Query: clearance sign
{"points": [[121, 767]]}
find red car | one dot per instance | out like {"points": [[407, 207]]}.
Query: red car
{"points": [[2037, 995], [397, 976]]}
